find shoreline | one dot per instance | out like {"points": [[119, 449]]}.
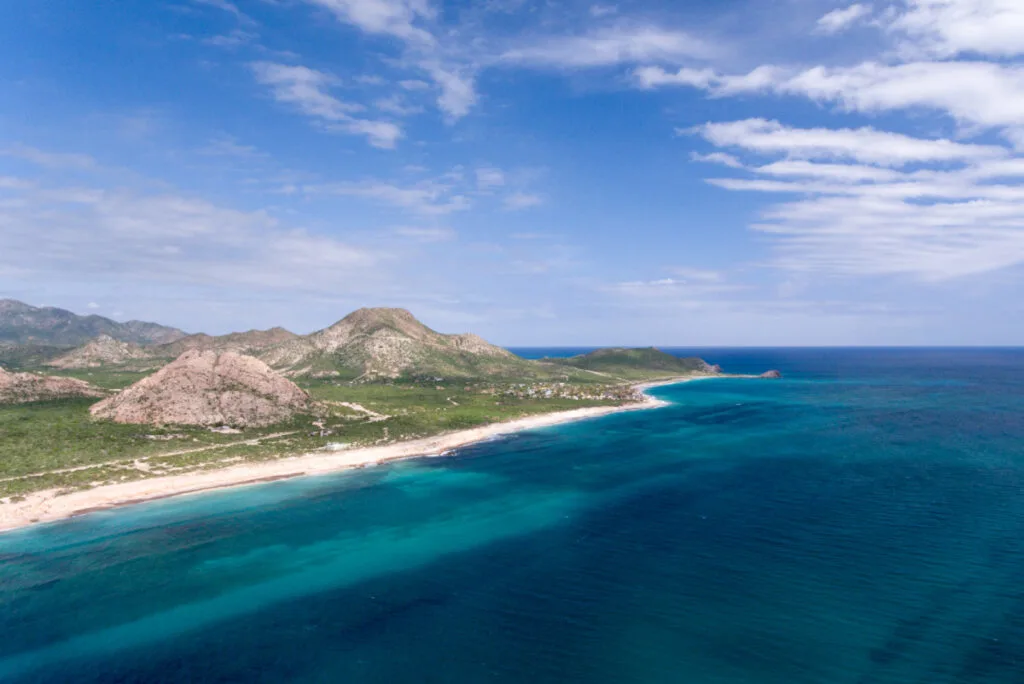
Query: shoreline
{"points": [[49, 505]]}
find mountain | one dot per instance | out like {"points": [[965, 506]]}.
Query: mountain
{"points": [[241, 343], [371, 344], [207, 388], [629, 363], [24, 324], [103, 351], [25, 387]]}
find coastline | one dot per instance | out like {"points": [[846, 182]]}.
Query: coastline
{"points": [[50, 505]]}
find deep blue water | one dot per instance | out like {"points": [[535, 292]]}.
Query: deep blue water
{"points": [[861, 521]]}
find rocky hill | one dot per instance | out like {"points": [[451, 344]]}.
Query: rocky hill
{"points": [[103, 351], [208, 388], [372, 344], [249, 342], [25, 387], [21, 323]]}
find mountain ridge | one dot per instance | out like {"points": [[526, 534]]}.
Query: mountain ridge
{"points": [[23, 323], [386, 343]]}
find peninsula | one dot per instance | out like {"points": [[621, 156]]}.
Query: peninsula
{"points": [[138, 420]]}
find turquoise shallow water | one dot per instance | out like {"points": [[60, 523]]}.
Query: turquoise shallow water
{"points": [[861, 521]]}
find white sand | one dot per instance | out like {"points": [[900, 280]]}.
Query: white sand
{"points": [[49, 505]]}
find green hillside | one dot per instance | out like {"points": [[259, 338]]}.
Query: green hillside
{"points": [[634, 364]]}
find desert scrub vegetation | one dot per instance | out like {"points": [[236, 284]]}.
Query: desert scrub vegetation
{"points": [[58, 444]]}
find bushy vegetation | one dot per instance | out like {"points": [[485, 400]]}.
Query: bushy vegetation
{"points": [[58, 444], [633, 364]]}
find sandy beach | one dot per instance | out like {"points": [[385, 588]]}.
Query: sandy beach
{"points": [[49, 505]]}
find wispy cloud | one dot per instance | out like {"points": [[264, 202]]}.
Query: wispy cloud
{"points": [[229, 7], [397, 18], [135, 237], [51, 160], [958, 211], [860, 144], [428, 197], [945, 28], [843, 18], [307, 89], [611, 46], [489, 177], [419, 234], [522, 200], [413, 23], [983, 94]]}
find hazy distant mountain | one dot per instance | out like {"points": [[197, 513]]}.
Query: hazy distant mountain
{"points": [[390, 343], [21, 323]]}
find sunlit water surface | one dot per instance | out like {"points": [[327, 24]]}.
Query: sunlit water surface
{"points": [[861, 521]]}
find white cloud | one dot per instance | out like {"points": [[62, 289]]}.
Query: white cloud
{"points": [[841, 19], [861, 144], [857, 214], [985, 94], [128, 237], [718, 158], [414, 84], [391, 17], [695, 285], [611, 46], [458, 94], [233, 39], [92, 305], [428, 197], [522, 200], [654, 77], [851, 173], [411, 22], [307, 89], [945, 28], [761, 78]]}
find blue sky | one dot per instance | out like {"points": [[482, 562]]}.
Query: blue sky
{"points": [[698, 172]]}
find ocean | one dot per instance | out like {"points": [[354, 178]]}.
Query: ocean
{"points": [[860, 521]]}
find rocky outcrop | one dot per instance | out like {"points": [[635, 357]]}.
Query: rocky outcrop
{"points": [[103, 351], [771, 375], [208, 388], [249, 342], [16, 388]]}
